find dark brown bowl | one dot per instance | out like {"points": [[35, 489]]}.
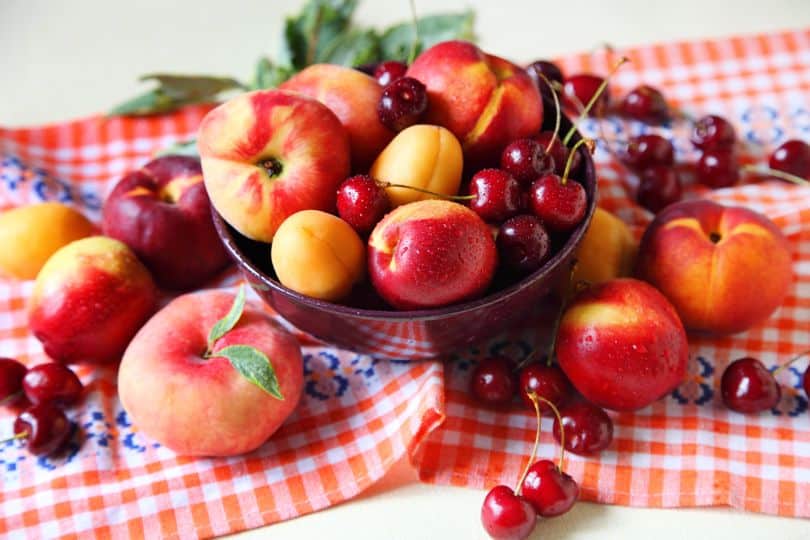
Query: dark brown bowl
{"points": [[417, 334]]}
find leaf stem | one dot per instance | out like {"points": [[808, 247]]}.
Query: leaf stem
{"points": [[557, 415], [416, 39], [557, 107], [427, 191], [17, 436], [534, 397], [789, 362], [571, 153], [782, 175]]}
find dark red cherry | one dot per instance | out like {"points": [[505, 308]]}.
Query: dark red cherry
{"points": [[644, 151], [806, 382], [362, 202], [645, 103], [526, 160], [578, 91], [549, 490], [549, 70], [718, 168], [548, 382], [403, 103], [588, 428], [493, 381], [52, 382], [497, 195], [506, 516], [748, 387], [558, 152], [713, 132], [11, 377], [389, 71], [560, 206], [792, 157], [659, 186], [45, 426], [523, 244]]}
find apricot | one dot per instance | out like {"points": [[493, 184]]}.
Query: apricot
{"points": [[31, 234], [318, 254], [423, 156], [607, 251]]}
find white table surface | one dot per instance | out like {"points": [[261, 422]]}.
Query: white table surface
{"points": [[61, 60]]}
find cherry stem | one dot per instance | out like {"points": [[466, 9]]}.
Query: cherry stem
{"points": [[534, 397], [17, 436], [767, 171], [789, 362], [571, 153], [11, 397], [416, 40], [557, 106], [428, 192], [557, 415], [623, 60]]}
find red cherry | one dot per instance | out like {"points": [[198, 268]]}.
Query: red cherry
{"points": [[493, 382], [44, 426], [644, 151], [389, 71], [748, 387], [11, 377], [560, 206], [578, 91], [548, 382], [402, 104], [526, 160], [53, 382], [792, 157], [506, 516], [497, 195], [523, 244], [659, 187], [549, 490], [718, 168], [549, 70], [645, 103], [362, 202], [713, 132], [588, 428]]}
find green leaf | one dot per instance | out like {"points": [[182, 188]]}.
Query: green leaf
{"points": [[269, 75], [151, 102], [353, 48], [308, 34], [254, 366], [182, 148], [396, 42], [175, 91], [224, 325]]}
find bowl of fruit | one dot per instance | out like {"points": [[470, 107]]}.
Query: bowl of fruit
{"points": [[403, 221]]}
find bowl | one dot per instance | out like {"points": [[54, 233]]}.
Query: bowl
{"points": [[417, 334]]}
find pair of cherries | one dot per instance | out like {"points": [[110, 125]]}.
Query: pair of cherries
{"points": [[47, 388]]}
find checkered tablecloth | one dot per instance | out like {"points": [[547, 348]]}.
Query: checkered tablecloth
{"points": [[359, 414]]}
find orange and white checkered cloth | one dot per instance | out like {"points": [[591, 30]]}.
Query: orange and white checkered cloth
{"points": [[359, 414]]}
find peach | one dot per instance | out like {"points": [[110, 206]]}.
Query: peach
{"points": [[725, 269], [422, 156], [353, 97], [622, 345], [89, 300], [318, 254], [431, 253], [268, 154], [31, 234], [607, 251], [198, 404], [486, 101]]}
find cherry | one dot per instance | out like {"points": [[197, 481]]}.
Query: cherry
{"points": [[523, 244], [560, 205], [645, 103], [792, 157], [44, 426], [11, 377], [588, 428], [526, 160], [713, 132], [659, 187], [578, 91], [557, 151], [549, 490], [402, 104], [389, 71], [53, 382], [547, 69], [718, 168], [497, 195], [644, 151], [507, 516], [806, 381], [493, 381], [362, 202], [748, 387], [546, 381]]}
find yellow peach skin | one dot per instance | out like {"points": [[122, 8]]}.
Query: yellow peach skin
{"points": [[31, 234], [607, 251], [423, 156], [318, 254]]}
